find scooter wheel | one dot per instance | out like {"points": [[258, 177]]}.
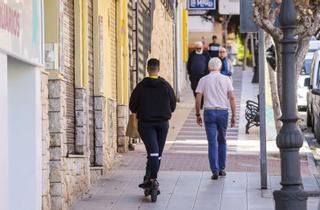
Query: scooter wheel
{"points": [[154, 195], [146, 192]]}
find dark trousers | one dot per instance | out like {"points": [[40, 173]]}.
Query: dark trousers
{"points": [[194, 80], [153, 135]]}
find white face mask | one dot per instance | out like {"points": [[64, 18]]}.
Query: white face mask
{"points": [[199, 52]]}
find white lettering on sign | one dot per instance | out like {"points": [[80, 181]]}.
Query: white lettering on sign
{"points": [[9, 20]]}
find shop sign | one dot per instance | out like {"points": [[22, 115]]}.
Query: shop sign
{"points": [[21, 30], [201, 4]]}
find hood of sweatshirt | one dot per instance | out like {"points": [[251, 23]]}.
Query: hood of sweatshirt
{"points": [[152, 83]]}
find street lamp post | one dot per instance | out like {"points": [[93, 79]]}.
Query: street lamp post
{"points": [[290, 139]]}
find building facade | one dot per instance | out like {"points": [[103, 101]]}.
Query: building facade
{"points": [[86, 60]]}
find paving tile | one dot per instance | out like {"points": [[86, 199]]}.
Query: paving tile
{"points": [[253, 181], [257, 201], [207, 201], [182, 202], [313, 204], [211, 187], [234, 202]]}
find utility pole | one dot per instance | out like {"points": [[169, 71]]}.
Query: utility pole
{"points": [[262, 106]]}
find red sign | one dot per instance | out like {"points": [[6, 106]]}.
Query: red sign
{"points": [[9, 20]]}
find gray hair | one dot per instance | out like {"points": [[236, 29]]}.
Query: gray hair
{"points": [[198, 43], [222, 48], [215, 63]]}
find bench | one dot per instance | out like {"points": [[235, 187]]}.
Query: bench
{"points": [[252, 114]]}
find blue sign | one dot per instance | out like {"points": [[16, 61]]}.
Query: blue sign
{"points": [[201, 4]]}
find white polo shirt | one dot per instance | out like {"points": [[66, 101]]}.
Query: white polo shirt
{"points": [[215, 88]]}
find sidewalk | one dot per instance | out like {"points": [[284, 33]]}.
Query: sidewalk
{"points": [[185, 177]]}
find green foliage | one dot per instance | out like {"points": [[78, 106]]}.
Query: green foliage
{"points": [[240, 49]]}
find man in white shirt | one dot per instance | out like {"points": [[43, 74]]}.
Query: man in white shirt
{"points": [[218, 93]]}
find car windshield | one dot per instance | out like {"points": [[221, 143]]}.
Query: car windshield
{"points": [[312, 50], [306, 67]]}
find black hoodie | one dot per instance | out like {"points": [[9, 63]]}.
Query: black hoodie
{"points": [[153, 100]]}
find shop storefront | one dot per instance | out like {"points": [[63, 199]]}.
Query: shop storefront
{"points": [[21, 62]]}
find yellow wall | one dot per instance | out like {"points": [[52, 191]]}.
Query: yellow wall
{"points": [[51, 21], [185, 35], [103, 10], [85, 53], [121, 78], [122, 52], [78, 44], [98, 72], [52, 30]]}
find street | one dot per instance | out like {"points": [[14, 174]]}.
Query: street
{"points": [[184, 175]]}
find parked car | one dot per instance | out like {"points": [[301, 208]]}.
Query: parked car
{"points": [[303, 90], [313, 95], [314, 45]]}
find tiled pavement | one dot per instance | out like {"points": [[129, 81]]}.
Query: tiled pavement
{"points": [[185, 177], [185, 191], [187, 150]]}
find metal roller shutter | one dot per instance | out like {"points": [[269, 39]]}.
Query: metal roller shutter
{"points": [[68, 49], [142, 29], [113, 65], [113, 30], [91, 83]]}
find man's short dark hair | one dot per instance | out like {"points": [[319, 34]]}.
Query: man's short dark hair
{"points": [[153, 64], [214, 37]]}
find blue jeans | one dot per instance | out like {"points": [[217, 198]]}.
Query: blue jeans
{"points": [[216, 122]]}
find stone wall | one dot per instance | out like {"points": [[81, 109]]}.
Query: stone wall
{"points": [[100, 128], [76, 179], [81, 116], [69, 173], [162, 46], [110, 148], [46, 199], [57, 128], [123, 140]]}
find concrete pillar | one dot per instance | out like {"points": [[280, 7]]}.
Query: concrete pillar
{"points": [[25, 157], [4, 133]]}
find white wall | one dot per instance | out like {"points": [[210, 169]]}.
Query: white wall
{"points": [[3, 133], [25, 178], [198, 24]]}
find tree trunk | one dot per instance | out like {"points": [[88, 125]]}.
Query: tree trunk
{"points": [[253, 58], [225, 31], [225, 25], [275, 98], [302, 50], [255, 78], [279, 70], [274, 89], [244, 66]]}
